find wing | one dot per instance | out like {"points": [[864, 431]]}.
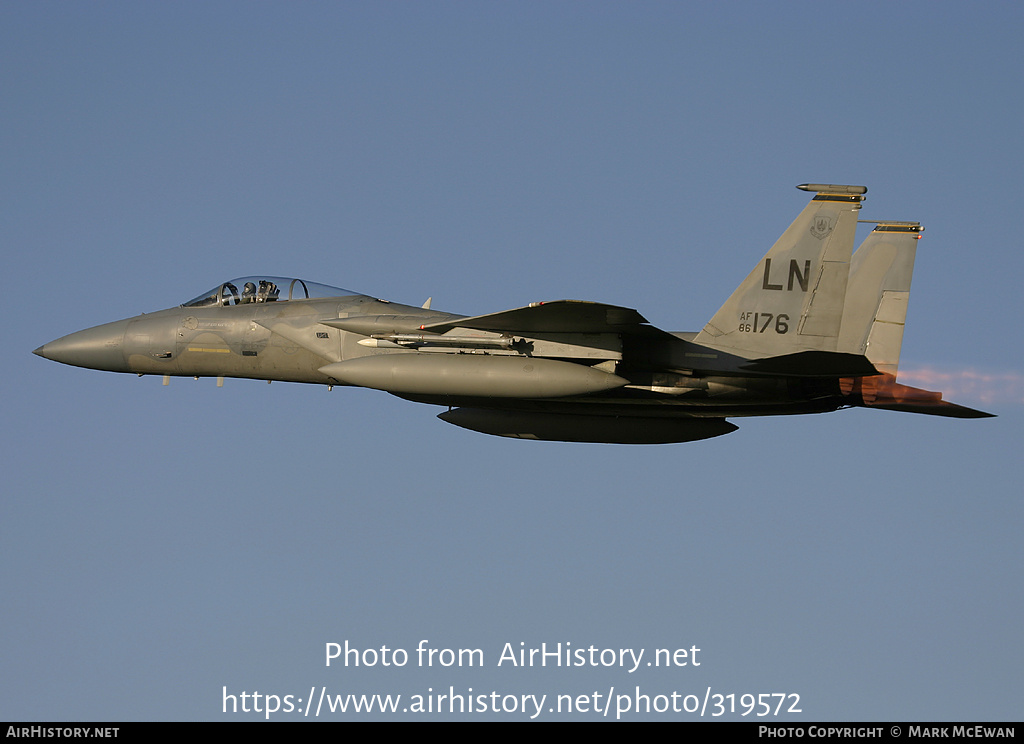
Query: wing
{"points": [[561, 316]]}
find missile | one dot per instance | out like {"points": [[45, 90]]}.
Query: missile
{"points": [[366, 325], [476, 375], [379, 343], [569, 427], [398, 340]]}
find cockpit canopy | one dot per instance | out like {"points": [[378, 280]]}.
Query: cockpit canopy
{"points": [[249, 289]]}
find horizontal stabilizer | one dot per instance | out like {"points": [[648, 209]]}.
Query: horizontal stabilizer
{"points": [[813, 364], [884, 392], [561, 316], [568, 427], [942, 408]]}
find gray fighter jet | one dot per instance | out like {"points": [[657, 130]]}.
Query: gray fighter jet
{"points": [[813, 328]]}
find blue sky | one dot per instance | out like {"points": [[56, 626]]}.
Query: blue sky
{"points": [[162, 543]]}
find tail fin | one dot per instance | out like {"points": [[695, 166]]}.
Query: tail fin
{"points": [[793, 299], [877, 294], [873, 321]]}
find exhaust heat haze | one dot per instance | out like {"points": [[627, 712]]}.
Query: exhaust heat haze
{"points": [[982, 387]]}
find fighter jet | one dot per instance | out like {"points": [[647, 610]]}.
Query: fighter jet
{"points": [[813, 328]]}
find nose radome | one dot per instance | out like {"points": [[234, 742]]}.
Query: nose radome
{"points": [[93, 348]]}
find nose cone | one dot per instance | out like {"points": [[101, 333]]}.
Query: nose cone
{"points": [[94, 348]]}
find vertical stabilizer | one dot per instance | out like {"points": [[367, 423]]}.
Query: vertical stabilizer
{"points": [[793, 300], [878, 292], [873, 322]]}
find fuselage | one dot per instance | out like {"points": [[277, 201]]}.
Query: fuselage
{"points": [[290, 340]]}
